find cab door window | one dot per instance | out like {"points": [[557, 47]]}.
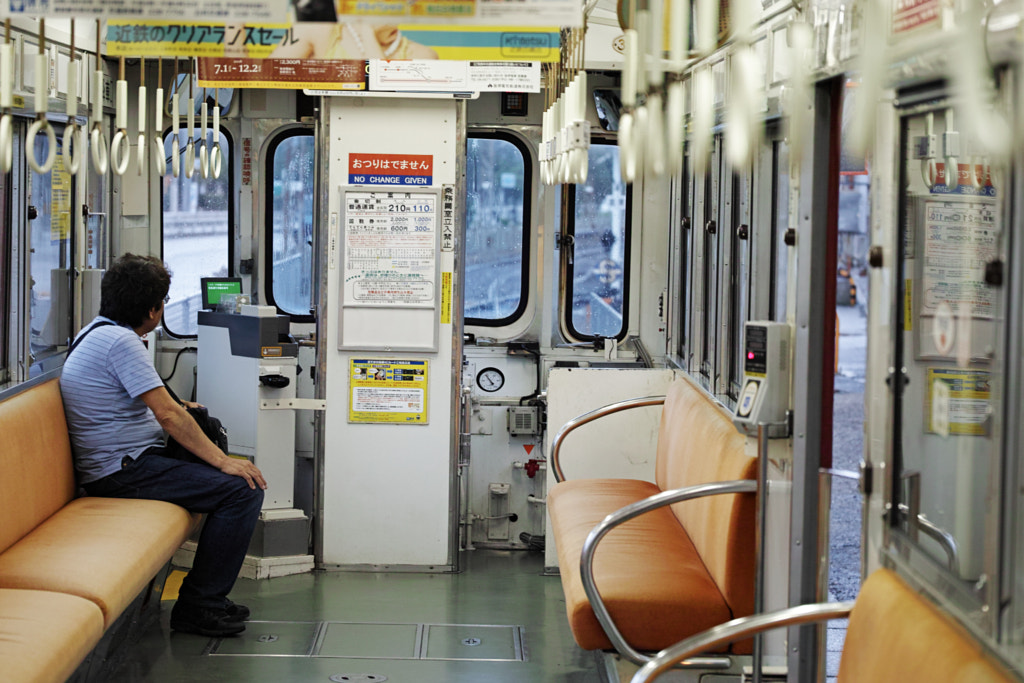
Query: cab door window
{"points": [[597, 267], [290, 166], [196, 233]]}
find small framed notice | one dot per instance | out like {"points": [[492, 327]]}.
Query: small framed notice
{"points": [[386, 391]]}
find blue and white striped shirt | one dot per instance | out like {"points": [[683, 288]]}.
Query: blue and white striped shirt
{"points": [[101, 384]]}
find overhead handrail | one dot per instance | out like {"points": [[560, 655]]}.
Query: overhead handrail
{"points": [[580, 420], [143, 143], [215, 154], [74, 136], [119, 159], [190, 146], [6, 100], [951, 152], [622, 516], [204, 157], [627, 138], [41, 124], [739, 629], [159, 157], [675, 115], [175, 125], [97, 136], [929, 169]]}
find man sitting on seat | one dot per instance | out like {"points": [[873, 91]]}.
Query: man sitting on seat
{"points": [[117, 411]]}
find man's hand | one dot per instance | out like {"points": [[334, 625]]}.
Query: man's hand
{"points": [[245, 469]]}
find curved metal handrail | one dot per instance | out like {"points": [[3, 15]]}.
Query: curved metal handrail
{"points": [[580, 420], [939, 535], [737, 629], [623, 515]]}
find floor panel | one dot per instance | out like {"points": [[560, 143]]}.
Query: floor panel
{"points": [[498, 621]]}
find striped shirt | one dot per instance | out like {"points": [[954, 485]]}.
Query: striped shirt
{"points": [[101, 384]]}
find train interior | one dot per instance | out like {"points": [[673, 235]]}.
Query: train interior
{"points": [[755, 201]]}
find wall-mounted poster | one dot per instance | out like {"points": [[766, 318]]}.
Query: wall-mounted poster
{"points": [[387, 391]]}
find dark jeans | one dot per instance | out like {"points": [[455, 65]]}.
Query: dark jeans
{"points": [[232, 509]]}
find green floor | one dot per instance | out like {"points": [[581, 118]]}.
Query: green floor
{"points": [[499, 620]]}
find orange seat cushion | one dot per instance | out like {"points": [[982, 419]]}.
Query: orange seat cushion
{"points": [[45, 636], [103, 549], [37, 477], [648, 572], [897, 636]]}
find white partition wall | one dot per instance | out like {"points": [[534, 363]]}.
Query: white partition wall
{"points": [[387, 343]]}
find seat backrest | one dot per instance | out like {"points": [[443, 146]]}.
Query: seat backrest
{"points": [[896, 634], [37, 475], [698, 444]]}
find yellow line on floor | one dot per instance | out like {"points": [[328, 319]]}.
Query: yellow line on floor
{"points": [[173, 584]]}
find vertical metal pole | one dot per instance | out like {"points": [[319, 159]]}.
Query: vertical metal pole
{"points": [[762, 525], [815, 209]]}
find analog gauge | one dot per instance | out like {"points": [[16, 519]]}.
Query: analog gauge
{"points": [[490, 379]]}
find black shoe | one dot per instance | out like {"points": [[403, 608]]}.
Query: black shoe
{"points": [[204, 621], [235, 611]]}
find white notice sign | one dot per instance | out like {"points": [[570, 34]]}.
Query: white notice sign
{"points": [[424, 75], [390, 249]]}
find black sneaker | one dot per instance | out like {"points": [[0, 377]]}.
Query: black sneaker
{"points": [[204, 621], [235, 611]]}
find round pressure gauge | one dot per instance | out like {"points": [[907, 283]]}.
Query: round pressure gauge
{"points": [[490, 379]]}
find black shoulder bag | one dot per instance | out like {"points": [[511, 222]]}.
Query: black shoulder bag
{"points": [[210, 425]]}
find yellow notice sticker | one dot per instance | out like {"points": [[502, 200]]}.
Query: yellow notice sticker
{"points": [[446, 298], [908, 306]]}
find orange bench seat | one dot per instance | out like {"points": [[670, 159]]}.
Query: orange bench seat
{"points": [[674, 571]]}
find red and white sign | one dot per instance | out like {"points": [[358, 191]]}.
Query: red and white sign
{"points": [[391, 169], [908, 15]]}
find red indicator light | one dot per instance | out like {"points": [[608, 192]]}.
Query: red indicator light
{"points": [[750, 355]]}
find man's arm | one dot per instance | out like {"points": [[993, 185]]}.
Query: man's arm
{"points": [[179, 424]]}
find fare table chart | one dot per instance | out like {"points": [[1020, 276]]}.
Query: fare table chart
{"points": [[390, 263]]}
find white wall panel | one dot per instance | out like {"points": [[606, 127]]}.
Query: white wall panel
{"points": [[386, 486]]}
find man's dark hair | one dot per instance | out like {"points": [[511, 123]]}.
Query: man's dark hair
{"points": [[132, 287]]}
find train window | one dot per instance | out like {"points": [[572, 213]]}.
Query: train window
{"points": [[50, 250], [714, 201], [290, 230], [196, 233], [597, 271], [949, 398], [497, 224]]}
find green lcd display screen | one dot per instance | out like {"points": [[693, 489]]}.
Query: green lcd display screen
{"points": [[216, 287]]}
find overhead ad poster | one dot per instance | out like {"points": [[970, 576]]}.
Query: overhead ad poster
{"points": [[387, 391], [190, 10]]}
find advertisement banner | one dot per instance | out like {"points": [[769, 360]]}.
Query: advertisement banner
{"points": [[150, 10], [479, 12], [290, 74], [325, 41]]}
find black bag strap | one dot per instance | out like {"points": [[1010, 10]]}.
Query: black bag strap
{"points": [[74, 344]]}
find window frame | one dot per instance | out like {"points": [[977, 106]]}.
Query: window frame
{"points": [[7, 289], [524, 298], [227, 166], [568, 268], [272, 144]]}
